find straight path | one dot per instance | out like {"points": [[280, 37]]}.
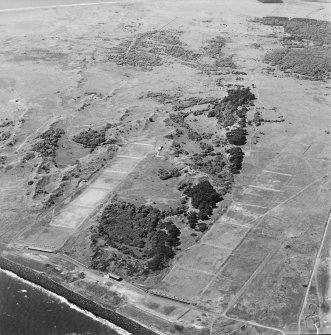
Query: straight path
{"points": [[316, 263]]}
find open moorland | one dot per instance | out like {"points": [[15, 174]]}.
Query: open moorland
{"points": [[184, 146]]}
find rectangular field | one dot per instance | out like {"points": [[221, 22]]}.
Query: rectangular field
{"points": [[71, 217], [185, 283], [108, 180], [90, 197], [248, 256], [208, 257], [48, 238], [224, 235]]}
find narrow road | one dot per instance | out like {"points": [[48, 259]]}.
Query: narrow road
{"points": [[255, 324], [313, 272]]}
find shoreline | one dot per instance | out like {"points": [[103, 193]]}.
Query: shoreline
{"points": [[66, 302], [74, 298]]}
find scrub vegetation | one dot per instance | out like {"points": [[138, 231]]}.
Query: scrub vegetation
{"points": [[306, 47]]}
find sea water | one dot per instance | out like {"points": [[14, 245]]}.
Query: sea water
{"points": [[28, 309]]}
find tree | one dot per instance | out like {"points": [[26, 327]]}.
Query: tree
{"points": [[236, 157], [203, 196], [192, 217], [237, 136]]}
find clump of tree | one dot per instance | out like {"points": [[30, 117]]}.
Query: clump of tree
{"points": [[236, 157], [91, 138], [212, 165], [239, 97], [257, 119], [203, 197], [206, 147], [142, 232], [48, 142], [193, 220], [165, 174], [232, 107], [164, 243], [237, 136]]}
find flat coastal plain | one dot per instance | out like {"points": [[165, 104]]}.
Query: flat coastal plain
{"points": [[116, 70]]}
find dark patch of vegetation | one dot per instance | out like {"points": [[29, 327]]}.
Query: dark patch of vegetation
{"points": [[233, 106], [239, 97], [214, 50], [167, 174], [131, 54], [257, 119], [177, 149], [48, 142], [237, 136], [271, 1], [215, 46], [179, 118], [325, 306], [179, 52], [206, 147], [274, 20], [236, 157], [152, 49], [300, 29], [92, 138], [309, 29], [211, 165], [6, 124], [142, 233], [28, 156], [163, 98], [311, 62], [203, 197], [192, 218], [194, 136], [4, 136]]}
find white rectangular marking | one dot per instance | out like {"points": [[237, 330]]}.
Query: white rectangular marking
{"points": [[265, 188], [216, 246], [242, 204], [150, 145], [116, 171], [133, 157], [234, 224], [283, 174]]}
